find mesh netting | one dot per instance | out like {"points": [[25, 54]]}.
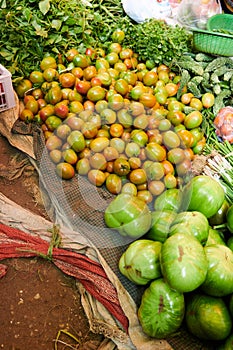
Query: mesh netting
{"points": [[81, 206]]}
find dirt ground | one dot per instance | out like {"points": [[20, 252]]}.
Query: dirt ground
{"points": [[40, 307]]}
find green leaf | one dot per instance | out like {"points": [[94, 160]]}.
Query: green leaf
{"points": [[42, 32], [44, 6], [70, 21], [3, 4], [56, 24], [7, 55], [27, 14], [36, 25]]}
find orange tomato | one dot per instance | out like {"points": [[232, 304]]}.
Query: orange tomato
{"points": [[96, 177], [147, 99], [171, 89], [187, 138], [65, 170], [168, 167], [196, 103], [156, 187], [116, 130]]}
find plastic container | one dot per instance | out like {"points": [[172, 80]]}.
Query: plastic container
{"points": [[220, 22], [213, 43], [7, 97]]}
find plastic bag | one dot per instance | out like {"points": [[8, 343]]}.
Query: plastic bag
{"points": [[223, 124], [194, 14], [140, 10]]}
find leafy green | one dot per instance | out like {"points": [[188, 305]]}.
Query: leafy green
{"points": [[158, 41], [31, 29]]}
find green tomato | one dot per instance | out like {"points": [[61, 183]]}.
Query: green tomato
{"points": [[219, 278], [169, 200], [160, 225], [193, 223], [161, 311], [140, 137], [54, 95], [220, 217], [203, 193], [227, 344], [76, 140], [140, 262], [129, 215], [207, 317], [230, 243], [183, 262], [215, 237], [118, 36], [53, 122]]}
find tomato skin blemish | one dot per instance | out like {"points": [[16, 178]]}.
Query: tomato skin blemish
{"points": [[181, 253]]}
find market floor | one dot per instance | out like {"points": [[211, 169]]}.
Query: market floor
{"points": [[40, 306]]}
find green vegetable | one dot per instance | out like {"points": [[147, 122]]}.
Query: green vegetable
{"points": [[229, 62], [216, 63], [231, 83], [129, 215], [197, 79], [170, 199], [161, 311], [214, 77], [220, 166], [227, 76], [220, 217], [32, 29], [207, 317], [215, 237], [160, 225], [231, 305], [227, 344], [219, 100], [221, 70], [192, 87], [185, 77], [230, 243], [157, 41], [194, 67], [217, 89], [140, 262], [219, 278], [202, 57], [183, 262], [192, 223], [203, 193]]}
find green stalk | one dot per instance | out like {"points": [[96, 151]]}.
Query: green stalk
{"points": [[221, 169]]}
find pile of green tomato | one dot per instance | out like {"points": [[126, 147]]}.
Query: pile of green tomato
{"points": [[183, 256]]}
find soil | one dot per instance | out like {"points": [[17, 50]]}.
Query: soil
{"points": [[40, 306]]}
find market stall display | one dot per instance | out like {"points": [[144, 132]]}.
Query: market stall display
{"points": [[117, 128]]}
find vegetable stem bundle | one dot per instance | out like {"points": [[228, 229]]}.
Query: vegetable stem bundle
{"points": [[219, 165]]}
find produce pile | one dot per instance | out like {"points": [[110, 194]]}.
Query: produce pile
{"points": [[131, 107]]}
